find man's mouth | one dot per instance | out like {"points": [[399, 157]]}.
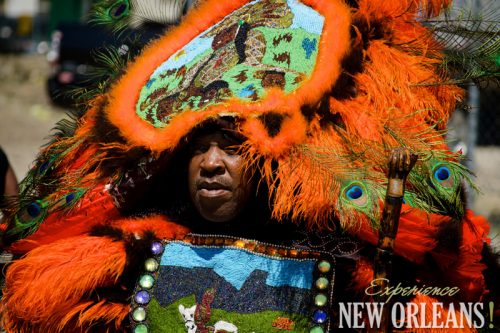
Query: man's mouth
{"points": [[212, 189]]}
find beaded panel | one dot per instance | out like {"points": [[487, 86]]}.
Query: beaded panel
{"points": [[223, 284], [242, 56]]}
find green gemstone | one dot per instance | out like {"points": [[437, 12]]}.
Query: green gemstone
{"points": [[317, 329], [322, 283], [320, 300], [141, 329], [139, 314], [151, 265], [240, 22], [146, 281], [324, 266]]}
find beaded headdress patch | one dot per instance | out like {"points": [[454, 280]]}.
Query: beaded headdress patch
{"points": [[242, 60], [246, 53]]}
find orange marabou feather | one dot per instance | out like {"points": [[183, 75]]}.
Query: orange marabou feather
{"points": [[158, 224], [60, 274]]}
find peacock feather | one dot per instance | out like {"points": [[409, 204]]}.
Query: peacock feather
{"points": [[110, 63], [471, 40], [123, 14], [347, 179], [436, 185]]}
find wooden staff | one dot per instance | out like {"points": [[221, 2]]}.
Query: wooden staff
{"points": [[400, 163]]}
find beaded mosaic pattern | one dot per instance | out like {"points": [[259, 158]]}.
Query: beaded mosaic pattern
{"points": [[220, 284], [241, 56]]}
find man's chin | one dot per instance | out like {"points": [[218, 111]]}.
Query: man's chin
{"points": [[218, 211]]}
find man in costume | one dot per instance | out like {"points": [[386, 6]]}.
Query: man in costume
{"points": [[111, 228]]}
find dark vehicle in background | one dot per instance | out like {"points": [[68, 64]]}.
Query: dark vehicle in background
{"points": [[15, 34], [72, 55]]}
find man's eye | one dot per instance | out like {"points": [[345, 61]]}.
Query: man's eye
{"points": [[232, 150], [198, 149]]}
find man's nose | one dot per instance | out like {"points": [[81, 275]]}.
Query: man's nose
{"points": [[212, 162]]}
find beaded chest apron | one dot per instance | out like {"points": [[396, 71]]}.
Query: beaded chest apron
{"points": [[223, 284]]}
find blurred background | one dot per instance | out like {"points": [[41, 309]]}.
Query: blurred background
{"points": [[46, 49]]}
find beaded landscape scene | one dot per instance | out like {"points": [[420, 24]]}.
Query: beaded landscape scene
{"points": [[242, 56], [241, 286]]}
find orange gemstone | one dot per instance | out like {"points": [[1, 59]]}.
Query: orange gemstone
{"points": [[282, 252], [239, 243], [271, 251], [250, 246], [260, 248]]}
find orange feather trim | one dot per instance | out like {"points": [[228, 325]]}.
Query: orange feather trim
{"points": [[434, 7], [123, 97], [60, 275], [87, 314], [306, 189], [159, 225]]}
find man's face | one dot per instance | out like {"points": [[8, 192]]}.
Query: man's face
{"points": [[218, 185]]}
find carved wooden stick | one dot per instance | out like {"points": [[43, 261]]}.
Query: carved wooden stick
{"points": [[401, 162]]}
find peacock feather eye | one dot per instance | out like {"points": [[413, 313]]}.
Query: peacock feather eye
{"points": [[356, 194], [46, 166], [31, 215], [443, 176], [43, 167], [34, 209], [67, 200], [70, 197], [119, 9]]}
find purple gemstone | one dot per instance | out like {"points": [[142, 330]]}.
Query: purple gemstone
{"points": [[142, 297], [156, 248]]}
